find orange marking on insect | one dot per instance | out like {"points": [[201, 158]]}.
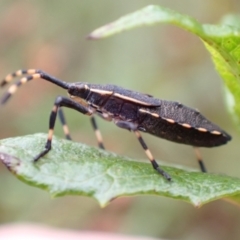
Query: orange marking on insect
{"points": [[36, 75], [54, 108], [50, 134], [8, 78], [137, 134], [12, 89], [216, 132], [31, 71], [105, 115], [131, 99], [23, 80], [99, 136], [65, 129], [19, 73], [155, 115], [197, 152], [169, 120], [186, 125], [86, 86], [143, 111], [100, 91], [149, 155], [152, 114], [202, 129]]}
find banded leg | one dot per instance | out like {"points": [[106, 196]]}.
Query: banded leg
{"points": [[32, 74], [200, 161], [64, 124], [93, 122], [97, 133], [60, 102], [133, 127], [150, 157]]}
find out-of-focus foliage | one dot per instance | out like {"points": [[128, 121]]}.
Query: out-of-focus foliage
{"points": [[165, 62], [222, 41]]}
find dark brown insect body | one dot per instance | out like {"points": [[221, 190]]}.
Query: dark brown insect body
{"points": [[129, 110], [181, 124], [170, 120]]}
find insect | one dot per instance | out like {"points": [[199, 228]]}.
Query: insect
{"points": [[129, 110]]}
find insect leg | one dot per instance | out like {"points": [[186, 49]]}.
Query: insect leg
{"points": [[64, 124], [93, 122], [150, 157], [132, 127], [200, 161], [60, 102], [97, 132]]}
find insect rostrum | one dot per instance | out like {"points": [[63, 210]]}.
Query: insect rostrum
{"points": [[128, 109]]}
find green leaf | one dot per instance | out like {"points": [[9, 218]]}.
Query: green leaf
{"points": [[74, 168], [222, 41]]}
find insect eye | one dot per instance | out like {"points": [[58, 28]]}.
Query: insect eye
{"points": [[78, 90]]}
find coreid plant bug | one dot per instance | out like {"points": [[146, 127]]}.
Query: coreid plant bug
{"points": [[128, 109]]}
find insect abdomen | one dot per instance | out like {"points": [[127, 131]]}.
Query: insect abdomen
{"points": [[178, 123]]}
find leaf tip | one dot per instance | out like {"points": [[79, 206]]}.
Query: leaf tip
{"points": [[9, 161], [91, 37], [101, 32], [197, 204]]}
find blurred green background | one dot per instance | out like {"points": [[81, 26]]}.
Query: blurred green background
{"points": [[163, 61]]}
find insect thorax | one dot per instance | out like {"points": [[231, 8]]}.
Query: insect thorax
{"points": [[79, 93]]}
